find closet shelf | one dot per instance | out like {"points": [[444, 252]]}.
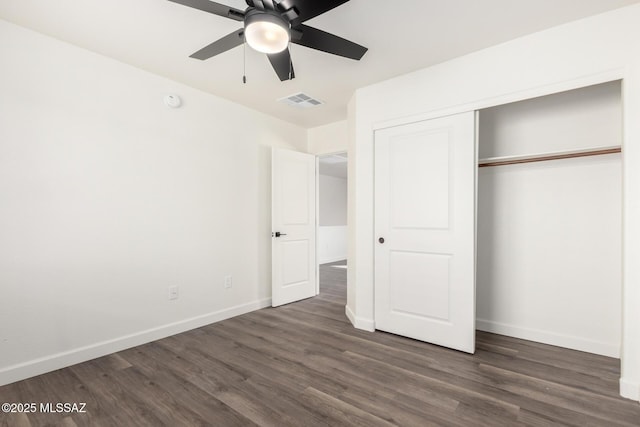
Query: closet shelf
{"points": [[513, 160]]}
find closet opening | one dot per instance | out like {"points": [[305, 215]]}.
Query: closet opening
{"points": [[549, 219]]}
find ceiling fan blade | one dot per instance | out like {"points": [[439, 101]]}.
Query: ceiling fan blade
{"points": [[326, 42], [224, 44], [308, 9], [212, 7], [281, 63]]}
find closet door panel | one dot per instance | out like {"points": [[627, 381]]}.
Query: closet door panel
{"points": [[425, 226]]}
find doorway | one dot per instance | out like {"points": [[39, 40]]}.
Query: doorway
{"points": [[332, 219]]}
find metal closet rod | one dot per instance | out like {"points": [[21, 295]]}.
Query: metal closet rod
{"points": [[514, 160]]}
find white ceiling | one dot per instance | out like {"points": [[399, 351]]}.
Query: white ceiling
{"points": [[402, 36]]}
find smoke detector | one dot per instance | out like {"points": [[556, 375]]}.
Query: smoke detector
{"points": [[300, 100]]}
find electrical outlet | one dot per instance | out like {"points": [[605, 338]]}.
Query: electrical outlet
{"points": [[228, 282], [173, 292]]}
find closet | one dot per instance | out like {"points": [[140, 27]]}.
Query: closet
{"points": [[549, 219]]}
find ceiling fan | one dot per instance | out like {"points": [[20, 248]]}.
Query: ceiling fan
{"points": [[269, 27]]}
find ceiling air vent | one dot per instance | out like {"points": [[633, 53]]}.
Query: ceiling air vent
{"points": [[300, 100]]}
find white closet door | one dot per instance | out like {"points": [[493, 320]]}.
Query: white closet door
{"points": [[425, 185], [293, 216]]}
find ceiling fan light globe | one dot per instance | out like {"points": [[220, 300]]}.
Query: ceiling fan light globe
{"points": [[267, 34]]}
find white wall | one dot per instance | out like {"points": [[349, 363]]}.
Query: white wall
{"points": [[550, 232], [331, 138], [593, 50], [332, 232], [332, 243], [107, 198], [585, 118], [333, 200]]}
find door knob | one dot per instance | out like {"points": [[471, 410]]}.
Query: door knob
{"points": [[381, 240], [278, 234]]}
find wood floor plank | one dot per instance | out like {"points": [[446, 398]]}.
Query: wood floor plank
{"points": [[579, 380], [359, 390], [415, 382], [571, 360], [194, 383], [250, 396], [603, 407], [120, 403], [17, 420], [338, 412], [533, 419], [303, 364]]}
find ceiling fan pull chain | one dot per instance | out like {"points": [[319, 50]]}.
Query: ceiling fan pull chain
{"points": [[290, 61], [244, 61]]}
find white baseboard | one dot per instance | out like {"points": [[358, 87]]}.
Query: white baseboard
{"points": [[359, 322], [78, 355], [546, 337], [350, 315], [630, 389]]}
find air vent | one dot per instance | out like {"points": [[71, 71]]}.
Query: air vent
{"points": [[300, 100]]}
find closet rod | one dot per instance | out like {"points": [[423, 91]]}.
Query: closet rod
{"points": [[483, 163]]}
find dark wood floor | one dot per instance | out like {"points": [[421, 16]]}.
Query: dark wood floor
{"points": [[304, 365]]}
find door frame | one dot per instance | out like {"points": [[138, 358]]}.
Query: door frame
{"points": [[318, 156], [317, 224]]}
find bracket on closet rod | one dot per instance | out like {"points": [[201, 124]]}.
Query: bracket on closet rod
{"points": [[513, 160]]}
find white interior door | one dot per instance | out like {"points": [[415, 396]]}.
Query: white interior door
{"points": [[425, 185], [293, 220]]}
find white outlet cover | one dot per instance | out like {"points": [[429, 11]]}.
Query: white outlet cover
{"points": [[172, 101]]}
